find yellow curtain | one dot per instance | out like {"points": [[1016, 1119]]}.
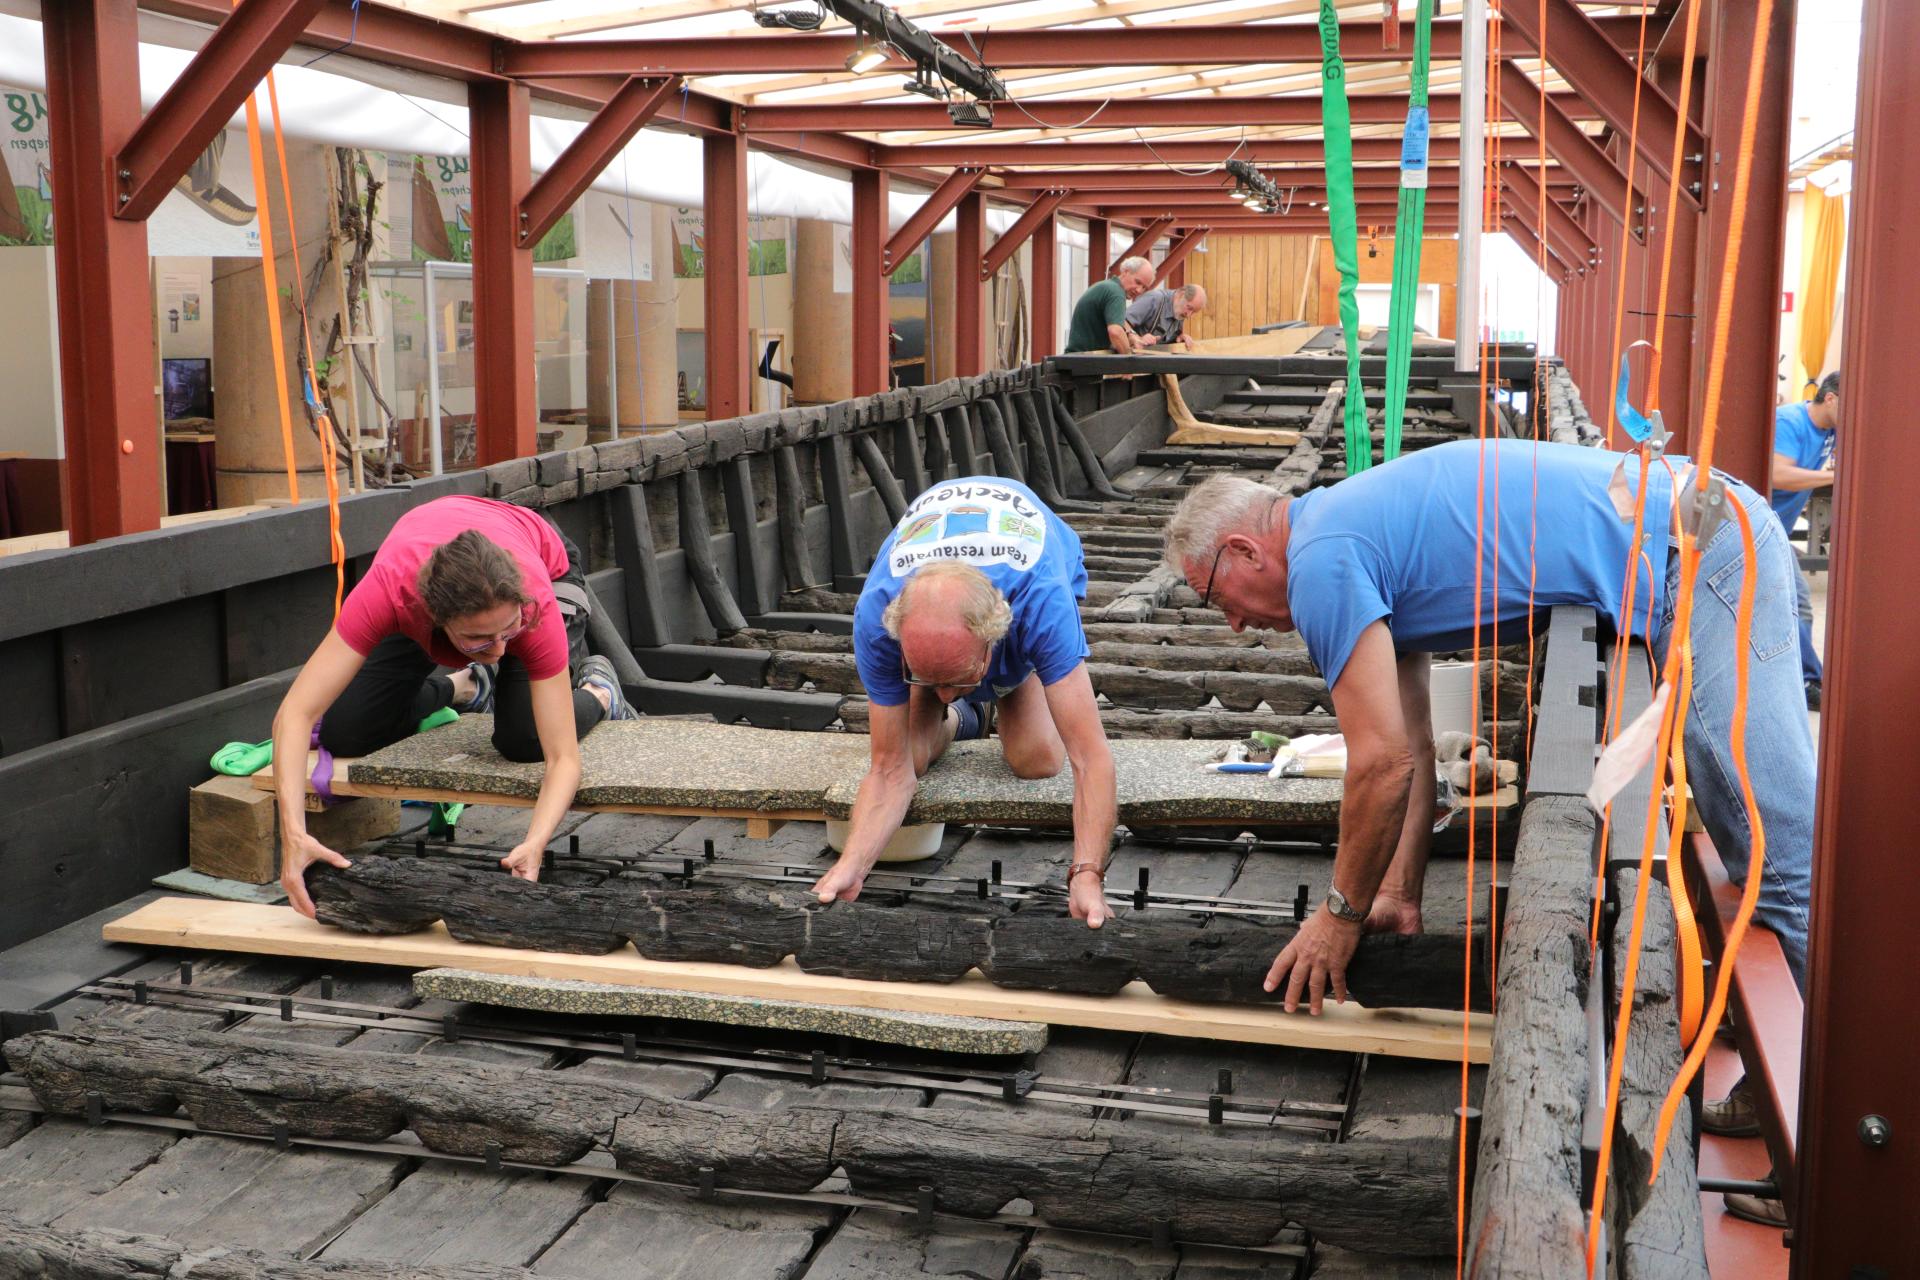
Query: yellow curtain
{"points": [[1823, 234]]}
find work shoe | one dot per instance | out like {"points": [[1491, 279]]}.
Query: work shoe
{"points": [[1768, 1213], [483, 674], [1733, 1116], [1813, 695], [597, 673]]}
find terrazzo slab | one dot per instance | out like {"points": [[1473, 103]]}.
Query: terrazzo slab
{"points": [[1158, 781], [640, 763], [564, 995]]}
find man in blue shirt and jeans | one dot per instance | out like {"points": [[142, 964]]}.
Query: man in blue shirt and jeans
{"points": [[973, 606], [1802, 462]]}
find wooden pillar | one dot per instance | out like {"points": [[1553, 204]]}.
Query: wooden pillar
{"points": [[821, 354], [940, 312], [872, 355], [639, 338], [111, 425], [1045, 289], [505, 412], [729, 374], [1099, 249], [969, 292]]}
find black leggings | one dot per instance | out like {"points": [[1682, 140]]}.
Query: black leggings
{"points": [[399, 685]]}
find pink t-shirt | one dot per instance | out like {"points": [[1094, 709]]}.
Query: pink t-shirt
{"points": [[388, 600]]}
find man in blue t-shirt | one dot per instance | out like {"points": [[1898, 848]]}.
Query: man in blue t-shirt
{"points": [[1379, 571], [1802, 462], [973, 606]]}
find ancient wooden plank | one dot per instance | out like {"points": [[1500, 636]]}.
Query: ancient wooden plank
{"points": [[883, 1246], [63, 1166], [1194, 1067], [40, 973], [966, 440], [939, 453], [758, 584], [908, 461], [1071, 1255], [1401, 1099], [836, 487], [86, 1254], [1076, 439], [790, 505], [449, 1214], [681, 1238], [1006, 458], [696, 542], [885, 483], [1347, 1264]]}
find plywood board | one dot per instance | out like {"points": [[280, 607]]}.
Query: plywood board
{"points": [[200, 924]]}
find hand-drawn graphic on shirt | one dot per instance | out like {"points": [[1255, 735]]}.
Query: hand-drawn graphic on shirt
{"points": [[978, 524]]}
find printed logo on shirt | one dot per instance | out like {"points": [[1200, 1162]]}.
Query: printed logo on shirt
{"points": [[977, 524]]}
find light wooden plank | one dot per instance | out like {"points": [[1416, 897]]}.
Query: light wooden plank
{"points": [[202, 924]]}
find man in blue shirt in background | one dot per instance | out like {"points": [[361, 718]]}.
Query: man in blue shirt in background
{"points": [[973, 605], [1378, 572], [1802, 462]]}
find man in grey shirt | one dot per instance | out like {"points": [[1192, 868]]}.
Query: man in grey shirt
{"points": [[1159, 316]]}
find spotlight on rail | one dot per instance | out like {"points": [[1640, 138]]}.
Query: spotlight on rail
{"points": [[879, 25], [1253, 188], [870, 54], [968, 114], [809, 19]]}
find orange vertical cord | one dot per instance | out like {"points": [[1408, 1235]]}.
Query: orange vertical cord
{"points": [[1492, 191], [1673, 204], [1539, 386], [1627, 217], [269, 278]]}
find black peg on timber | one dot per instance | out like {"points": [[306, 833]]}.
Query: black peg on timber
{"points": [[1223, 1083], [1469, 1118], [819, 1066], [450, 1027], [96, 1108], [1163, 1233], [1140, 894], [996, 871], [1216, 1109], [573, 844], [686, 871], [186, 973], [230, 1016], [491, 1155], [629, 1046], [286, 1008], [326, 986], [706, 1182], [1300, 904], [980, 888], [282, 1138], [923, 1206], [1010, 1087], [140, 991], [707, 848], [420, 847]]}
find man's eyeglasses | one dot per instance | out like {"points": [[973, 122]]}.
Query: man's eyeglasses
{"points": [[979, 674], [1212, 573], [497, 638]]}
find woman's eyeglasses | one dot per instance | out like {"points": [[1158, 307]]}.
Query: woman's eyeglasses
{"points": [[498, 638]]}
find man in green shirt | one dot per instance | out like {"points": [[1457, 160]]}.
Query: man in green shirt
{"points": [[1100, 316]]}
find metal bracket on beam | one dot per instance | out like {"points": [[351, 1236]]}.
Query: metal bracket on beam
{"points": [[921, 223], [1020, 232], [573, 171]]}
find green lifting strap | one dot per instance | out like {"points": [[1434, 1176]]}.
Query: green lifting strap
{"points": [[1409, 228], [1337, 126]]}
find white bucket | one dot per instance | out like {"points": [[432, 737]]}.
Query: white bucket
{"points": [[909, 844], [1450, 694]]}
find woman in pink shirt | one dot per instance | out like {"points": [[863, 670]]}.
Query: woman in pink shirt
{"points": [[472, 604]]}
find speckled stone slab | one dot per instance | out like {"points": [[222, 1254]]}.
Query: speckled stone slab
{"points": [[1158, 781], [678, 763], [565, 995]]}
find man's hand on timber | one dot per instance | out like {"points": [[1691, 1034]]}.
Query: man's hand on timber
{"points": [[1390, 914], [1145, 339], [1087, 899], [842, 883], [297, 854], [524, 861], [1188, 339], [1315, 961]]}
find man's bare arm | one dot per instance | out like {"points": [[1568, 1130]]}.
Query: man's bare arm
{"points": [[1076, 715], [1793, 478]]}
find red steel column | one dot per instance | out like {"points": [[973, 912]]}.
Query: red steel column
{"points": [[1744, 439], [724, 167], [1854, 1214], [1046, 287], [505, 410], [969, 291], [872, 357], [1099, 238], [110, 420]]}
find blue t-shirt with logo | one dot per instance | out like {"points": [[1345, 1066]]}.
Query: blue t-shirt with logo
{"points": [[1025, 550], [1396, 543], [1795, 437]]}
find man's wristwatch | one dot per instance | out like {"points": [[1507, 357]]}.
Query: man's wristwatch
{"points": [[1341, 909]]}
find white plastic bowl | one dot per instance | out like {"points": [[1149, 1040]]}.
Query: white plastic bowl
{"points": [[909, 844]]}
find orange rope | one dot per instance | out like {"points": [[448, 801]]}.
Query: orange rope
{"points": [[1673, 205], [269, 277], [1627, 217]]}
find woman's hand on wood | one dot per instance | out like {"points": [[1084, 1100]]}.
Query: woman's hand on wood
{"points": [[524, 861], [299, 851]]}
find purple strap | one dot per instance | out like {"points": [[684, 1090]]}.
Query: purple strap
{"points": [[323, 771]]}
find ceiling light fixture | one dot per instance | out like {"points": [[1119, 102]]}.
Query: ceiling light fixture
{"points": [[871, 55], [881, 27]]}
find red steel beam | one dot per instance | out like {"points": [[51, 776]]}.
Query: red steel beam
{"points": [[921, 222], [872, 356], [1445, 224], [1082, 181], [201, 102], [1177, 253], [1046, 287], [505, 410], [1565, 236], [1185, 213], [1070, 48], [1566, 142], [1155, 228], [724, 171], [574, 169], [1853, 1215], [1041, 210], [1579, 49], [1109, 113], [108, 416], [1099, 245], [1744, 437], [1152, 155], [969, 310]]}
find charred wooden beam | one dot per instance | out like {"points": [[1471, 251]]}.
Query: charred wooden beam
{"points": [[633, 544], [49, 1253], [965, 443], [884, 482], [1076, 440], [1006, 459], [940, 455], [696, 542], [790, 502], [754, 576]]}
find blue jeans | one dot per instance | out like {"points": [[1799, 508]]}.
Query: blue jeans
{"points": [[1810, 669], [1780, 755]]}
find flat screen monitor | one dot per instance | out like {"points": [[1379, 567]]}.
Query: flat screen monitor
{"points": [[188, 387]]}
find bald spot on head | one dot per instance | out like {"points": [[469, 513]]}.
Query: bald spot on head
{"points": [[934, 638]]}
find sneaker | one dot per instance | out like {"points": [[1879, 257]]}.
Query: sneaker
{"points": [[1813, 695], [483, 674], [1768, 1213], [1733, 1116], [597, 673]]}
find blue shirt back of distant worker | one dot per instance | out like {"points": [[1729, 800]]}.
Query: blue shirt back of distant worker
{"points": [[1795, 437], [999, 527], [1396, 543]]}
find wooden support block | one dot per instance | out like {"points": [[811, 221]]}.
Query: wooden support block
{"points": [[233, 830], [764, 828]]}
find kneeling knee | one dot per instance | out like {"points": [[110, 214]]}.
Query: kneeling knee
{"points": [[1036, 762], [518, 748]]}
